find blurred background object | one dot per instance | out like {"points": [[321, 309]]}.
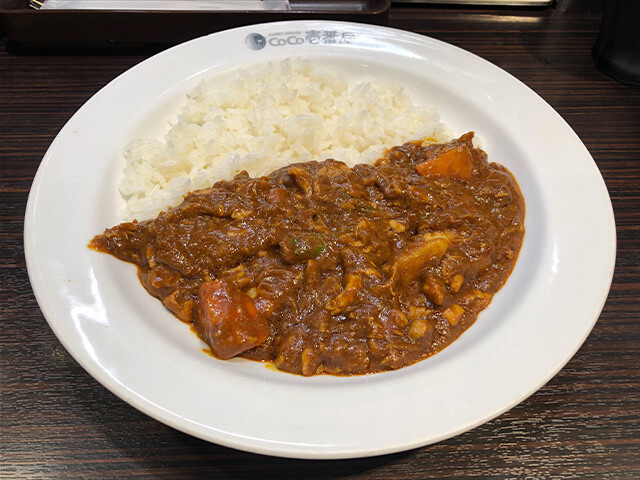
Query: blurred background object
{"points": [[498, 3], [30, 24], [166, 5], [617, 50]]}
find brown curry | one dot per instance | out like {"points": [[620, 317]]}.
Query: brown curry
{"points": [[322, 268]]}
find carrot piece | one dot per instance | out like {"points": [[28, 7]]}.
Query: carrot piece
{"points": [[455, 162], [228, 320]]}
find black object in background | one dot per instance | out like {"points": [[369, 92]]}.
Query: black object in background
{"points": [[617, 50]]}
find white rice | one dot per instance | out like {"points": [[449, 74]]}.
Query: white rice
{"points": [[264, 118]]}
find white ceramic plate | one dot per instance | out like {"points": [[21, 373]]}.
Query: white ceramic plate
{"points": [[135, 348]]}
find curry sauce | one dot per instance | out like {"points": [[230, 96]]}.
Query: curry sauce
{"points": [[322, 268]]}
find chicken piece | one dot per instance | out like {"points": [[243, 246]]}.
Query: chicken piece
{"points": [[181, 306], [345, 298], [434, 289], [302, 178], [456, 283], [421, 328], [228, 320], [453, 314]]}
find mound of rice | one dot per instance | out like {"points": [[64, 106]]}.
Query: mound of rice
{"points": [[262, 119]]}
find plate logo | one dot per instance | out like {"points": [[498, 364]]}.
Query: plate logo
{"points": [[256, 41]]}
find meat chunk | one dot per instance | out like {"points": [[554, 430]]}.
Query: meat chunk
{"points": [[434, 289], [419, 252], [301, 247], [228, 320], [347, 296]]}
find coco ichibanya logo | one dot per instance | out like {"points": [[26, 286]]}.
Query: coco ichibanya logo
{"points": [[256, 41]]}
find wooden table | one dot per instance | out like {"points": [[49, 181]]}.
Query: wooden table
{"points": [[57, 422]]}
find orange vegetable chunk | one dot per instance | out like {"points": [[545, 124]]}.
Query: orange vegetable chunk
{"points": [[455, 162], [228, 320]]}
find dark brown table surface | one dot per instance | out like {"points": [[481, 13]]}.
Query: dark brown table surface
{"points": [[58, 422]]}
